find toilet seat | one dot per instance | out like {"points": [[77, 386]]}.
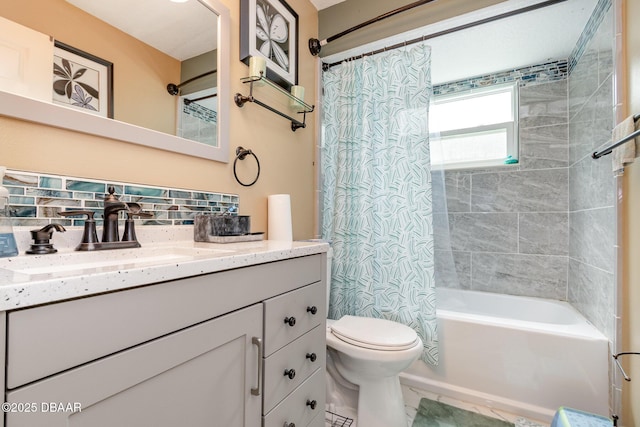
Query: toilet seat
{"points": [[374, 334]]}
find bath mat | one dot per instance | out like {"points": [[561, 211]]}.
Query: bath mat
{"points": [[437, 414]]}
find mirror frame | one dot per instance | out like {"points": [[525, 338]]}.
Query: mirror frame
{"points": [[50, 114]]}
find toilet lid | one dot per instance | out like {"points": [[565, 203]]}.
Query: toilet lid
{"points": [[375, 334]]}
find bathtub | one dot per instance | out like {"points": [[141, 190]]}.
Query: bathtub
{"points": [[527, 356]]}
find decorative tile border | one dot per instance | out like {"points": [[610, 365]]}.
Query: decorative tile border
{"points": [[535, 74], [36, 199], [589, 32]]}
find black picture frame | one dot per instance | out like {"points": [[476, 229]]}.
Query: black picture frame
{"points": [[263, 33], [82, 81]]}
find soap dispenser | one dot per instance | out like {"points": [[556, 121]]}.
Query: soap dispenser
{"points": [[8, 245]]}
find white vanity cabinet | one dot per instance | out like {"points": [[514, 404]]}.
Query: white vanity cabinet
{"points": [[187, 378], [187, 352], [295, 357]]}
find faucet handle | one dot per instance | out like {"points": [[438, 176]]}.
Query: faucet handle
{"points": [[90, 236], [135, 210], [89, 214]]}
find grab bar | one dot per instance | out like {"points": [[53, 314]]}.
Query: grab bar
{"points": [[608, 150]]}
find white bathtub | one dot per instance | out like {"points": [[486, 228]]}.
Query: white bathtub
{"points": [[524, 355]]}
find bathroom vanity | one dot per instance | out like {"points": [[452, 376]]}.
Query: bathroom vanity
{"points": [[201, 334]]}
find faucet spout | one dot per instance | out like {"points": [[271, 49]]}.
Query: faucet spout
{"points": [[110, 229]]}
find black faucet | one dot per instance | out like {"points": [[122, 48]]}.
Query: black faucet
{"points": [[110, 234], [111, 208]]}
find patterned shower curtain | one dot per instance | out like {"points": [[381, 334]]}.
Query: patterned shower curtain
{"points": [[376, 189]]}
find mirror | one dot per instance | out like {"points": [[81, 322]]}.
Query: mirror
{"points": [[198, 112]]}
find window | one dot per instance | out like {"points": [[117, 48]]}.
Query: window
{"points": [[475, 129]]}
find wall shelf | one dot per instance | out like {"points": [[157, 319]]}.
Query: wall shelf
{"points": [[296, 103]]}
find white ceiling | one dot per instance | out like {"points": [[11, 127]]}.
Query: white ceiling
{"points": [[181, 30], [323, 4], [531, 38]]}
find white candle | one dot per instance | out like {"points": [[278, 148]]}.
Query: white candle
{"points": [[298, 92], [257, 66]]}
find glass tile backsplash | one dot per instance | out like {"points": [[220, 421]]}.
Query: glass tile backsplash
{"points": [[37, 198]]}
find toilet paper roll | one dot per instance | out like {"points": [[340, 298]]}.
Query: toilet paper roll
{"points": [[279, 217]]}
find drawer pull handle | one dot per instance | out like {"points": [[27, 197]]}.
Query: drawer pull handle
{"points": [[312, 404], [313, 310], [286, 424], [258, 343], [291, 321], [291, 373], [312, 357]]}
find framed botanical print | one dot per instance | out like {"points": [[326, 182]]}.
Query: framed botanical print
{"points": [[269, 28], [82, 81]]}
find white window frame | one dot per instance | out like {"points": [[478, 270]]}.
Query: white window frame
{"points": [[511, 127]]}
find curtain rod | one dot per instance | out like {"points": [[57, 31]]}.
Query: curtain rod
{"points": [[174, 89], [188, 101], [608, 150], [325, 67], [315, 45]]}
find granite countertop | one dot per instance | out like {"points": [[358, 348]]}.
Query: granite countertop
{"points": [[167, 253]]}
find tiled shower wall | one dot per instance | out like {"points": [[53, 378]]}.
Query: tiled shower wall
{"points": [[199, 123], [508, 226], [544, 227], [592, 215]]}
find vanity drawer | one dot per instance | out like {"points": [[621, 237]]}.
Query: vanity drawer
{"points": [[45, 340], [296, 408], [303, 356], [289, 316]]}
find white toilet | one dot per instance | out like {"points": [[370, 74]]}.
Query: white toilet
{"points": [[370, 354]]}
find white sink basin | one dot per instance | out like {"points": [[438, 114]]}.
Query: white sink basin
{"points": [[106, 260]]}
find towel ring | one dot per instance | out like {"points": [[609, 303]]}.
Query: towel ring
{"points": [[241, 153]]}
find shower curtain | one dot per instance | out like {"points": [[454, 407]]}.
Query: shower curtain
{"points": [[376, 189]]}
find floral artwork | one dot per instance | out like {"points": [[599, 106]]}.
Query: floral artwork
{"points": [[82, 81], [272, 31], [269, 28], [76, 83]]}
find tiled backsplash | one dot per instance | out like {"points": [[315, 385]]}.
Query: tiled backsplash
{"points": [[37, 198]]}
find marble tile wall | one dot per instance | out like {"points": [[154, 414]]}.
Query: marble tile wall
{"points": [[199, 123], [592, 212], [36, 199], [546, 226], [506, 229]]}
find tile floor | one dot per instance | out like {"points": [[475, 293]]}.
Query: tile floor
{"points": [[412, 398]]}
